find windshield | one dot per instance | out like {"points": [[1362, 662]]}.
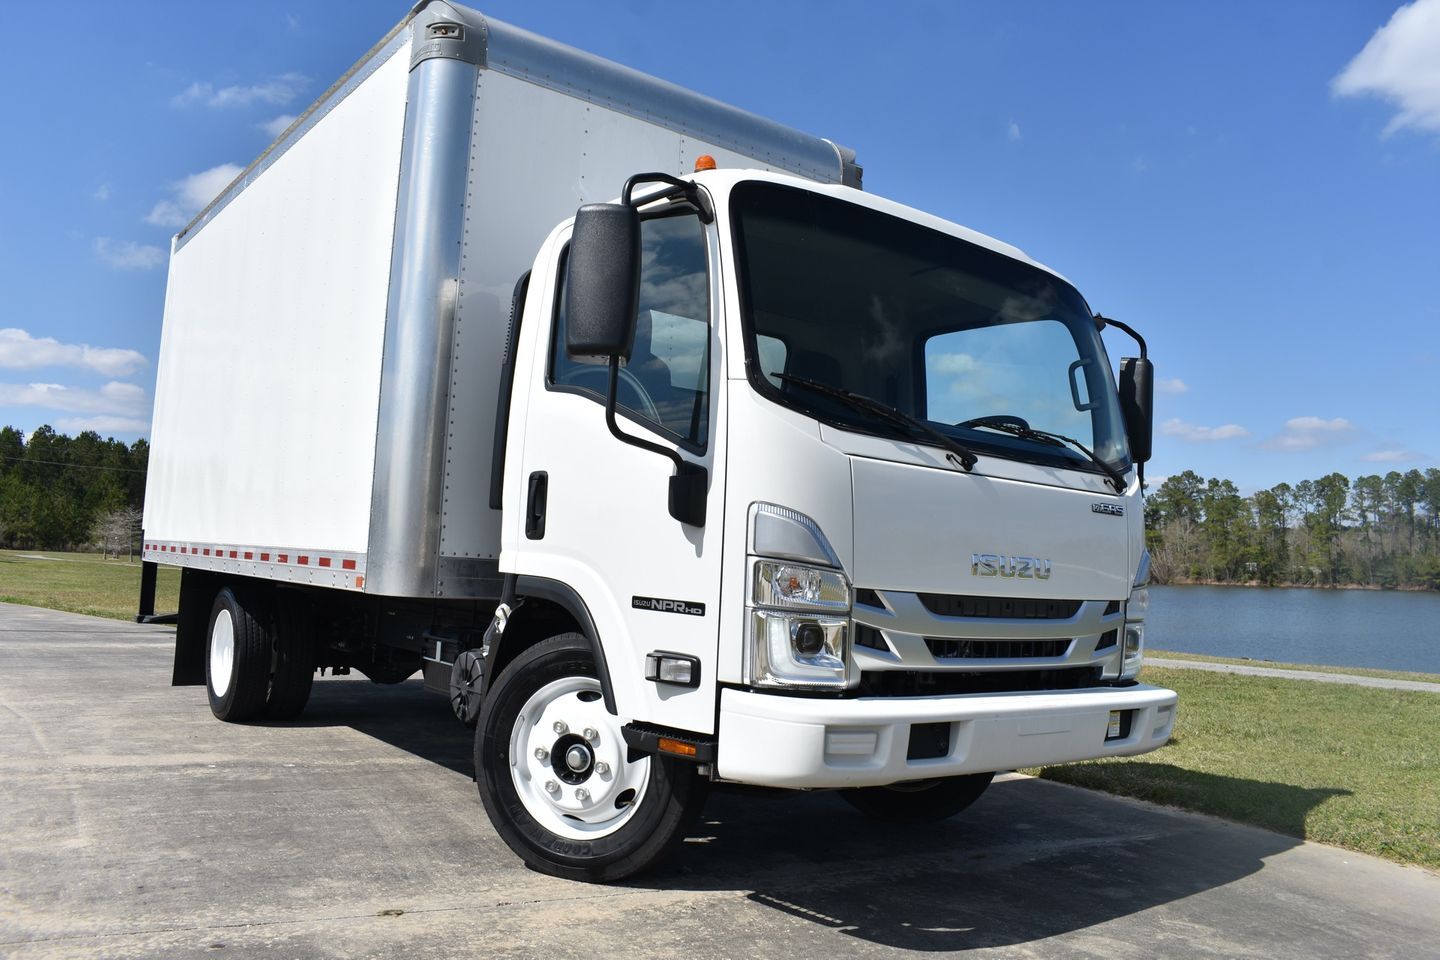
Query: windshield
{"points": [[939, 328]]}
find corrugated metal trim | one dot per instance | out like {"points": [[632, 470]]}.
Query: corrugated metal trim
{"points": [[377, 56], [320, 567]]}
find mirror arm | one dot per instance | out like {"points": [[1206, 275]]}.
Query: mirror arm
{"points": [[677, 187], [687, 484], [1102, 322]]}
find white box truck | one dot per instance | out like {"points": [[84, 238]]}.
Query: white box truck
{"points": [[749, 476]]}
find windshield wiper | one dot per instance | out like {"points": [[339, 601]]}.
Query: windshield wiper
{"points": [[954, 450], [1018, 428]]}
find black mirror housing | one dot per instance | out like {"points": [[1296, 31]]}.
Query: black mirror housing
{"points": [[1137, 404], [602, 287]]}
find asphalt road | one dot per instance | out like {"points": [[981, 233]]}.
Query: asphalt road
{"points": [[134, 824]]}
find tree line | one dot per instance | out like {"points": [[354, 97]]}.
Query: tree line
{"points": [[67, 493], [1381, 531]]}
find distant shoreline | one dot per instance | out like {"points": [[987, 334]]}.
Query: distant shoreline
{"points": [[1293, 586]]}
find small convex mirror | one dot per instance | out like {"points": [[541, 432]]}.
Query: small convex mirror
{"points": [[602, 287]]}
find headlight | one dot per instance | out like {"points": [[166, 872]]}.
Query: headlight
{"points": [[798, 630], [1133, 653]]}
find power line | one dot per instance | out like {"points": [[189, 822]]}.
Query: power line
{"points": [[74, 466]]}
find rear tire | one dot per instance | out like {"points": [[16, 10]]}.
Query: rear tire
{"points": [[583, 811], [919, 801], [294, 664], [237, 660]]}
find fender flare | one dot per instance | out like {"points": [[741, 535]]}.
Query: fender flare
{"points": [[564, 596]]}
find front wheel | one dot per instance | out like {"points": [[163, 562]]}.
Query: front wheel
{"points": [[557, 778], [918, 801]]}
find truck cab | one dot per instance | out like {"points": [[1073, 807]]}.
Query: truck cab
{"points": [[831, 539]]}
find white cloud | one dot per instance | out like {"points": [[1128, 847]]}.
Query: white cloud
{"points": [[279, 125], [1194, 433], [1013, 133], [1401, 64], [1394, 455], [118, 399], [102, 193], [954, 364], [129, 255], [103, 424], [191, 195], [18, 349], [276, 91], [1172, 385], [1307, 433]]}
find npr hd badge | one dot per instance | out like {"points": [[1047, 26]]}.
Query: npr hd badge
{"points": [[1113, 509], [668, 606]]}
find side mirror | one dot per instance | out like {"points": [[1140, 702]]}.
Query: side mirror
{"points": [[1137, 403], [602, 289]]}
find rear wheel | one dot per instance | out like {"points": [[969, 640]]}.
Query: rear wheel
{"points": [[557, 778], [918, 801], [293, 669], [237, 662]]}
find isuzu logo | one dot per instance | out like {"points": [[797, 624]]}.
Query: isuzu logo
{"points": [[1017, 568]]}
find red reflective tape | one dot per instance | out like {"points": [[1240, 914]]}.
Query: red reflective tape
{"points": [[347, 564], [265, 556], [248, 555], [303, 560], [207, 551], [324, 561], [359, 583], [282, 558], [232, 554]]}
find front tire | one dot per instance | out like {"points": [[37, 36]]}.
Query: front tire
{"points": [[570, 804], [918, 801]]}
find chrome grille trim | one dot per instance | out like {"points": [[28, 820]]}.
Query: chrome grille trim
{"points": [[904, 623]]}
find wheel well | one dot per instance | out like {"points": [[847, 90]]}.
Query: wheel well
{"points": [[533, 621]]}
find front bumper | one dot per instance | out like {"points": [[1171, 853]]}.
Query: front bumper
{"points": [[784, 741]]}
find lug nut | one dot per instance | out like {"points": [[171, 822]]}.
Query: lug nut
{"points": [[590, 734], [582, 794], [542, 754], [602, 768], [551, 786], [560, 728]]}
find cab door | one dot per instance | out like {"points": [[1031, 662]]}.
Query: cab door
{"points": [[595, 509]]}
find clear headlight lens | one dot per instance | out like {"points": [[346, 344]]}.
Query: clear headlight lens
{"points": [[803, 587], [799, 629]]}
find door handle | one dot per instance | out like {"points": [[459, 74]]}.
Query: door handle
{"points": [[535, 505]]}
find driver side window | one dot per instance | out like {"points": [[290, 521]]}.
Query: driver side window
{"points": [[666, 382]]}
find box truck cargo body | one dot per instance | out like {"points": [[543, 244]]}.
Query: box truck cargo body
{"points": [[750, 476]]}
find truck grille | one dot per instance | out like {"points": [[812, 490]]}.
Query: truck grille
{"points": [[947, 648], [933, 683], [1007, 608], [918, 644]]}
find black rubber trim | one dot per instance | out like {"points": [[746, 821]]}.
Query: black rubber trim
{"points": [[507, 384], [645, 737], [564, 596]]}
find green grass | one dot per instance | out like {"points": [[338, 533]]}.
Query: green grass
{"points": [[1351, 766], [81, 583], [1316, 668]]}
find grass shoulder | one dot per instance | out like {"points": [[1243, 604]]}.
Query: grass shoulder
{"points": [[81, 583], [1314, 668], [1352, 766]]}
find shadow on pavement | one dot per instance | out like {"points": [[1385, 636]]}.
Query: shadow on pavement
{"points": [[1032, 859]]}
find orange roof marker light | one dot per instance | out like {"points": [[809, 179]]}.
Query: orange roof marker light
{"points": [[704, 162]]}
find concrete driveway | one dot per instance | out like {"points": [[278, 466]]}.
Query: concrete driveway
{"points": [[134, 824]]}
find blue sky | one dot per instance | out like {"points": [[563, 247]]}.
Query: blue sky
{"points": [[1240, 181]]}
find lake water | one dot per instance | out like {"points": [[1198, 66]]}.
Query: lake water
{"points": [[1342, 628]]}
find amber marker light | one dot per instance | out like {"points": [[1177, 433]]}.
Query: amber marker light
{"points": [[704, 162], [676, 747]]}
